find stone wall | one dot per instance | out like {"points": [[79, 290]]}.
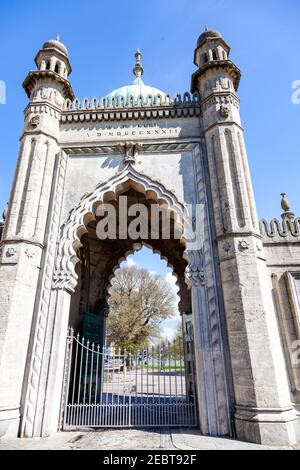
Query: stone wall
{"points": [[281, 241]]}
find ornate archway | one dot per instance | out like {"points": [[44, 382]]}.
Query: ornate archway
{"points": [[64, 275], [211, 373]]}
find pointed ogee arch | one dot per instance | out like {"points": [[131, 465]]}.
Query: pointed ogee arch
{"points": [[65, 276]]}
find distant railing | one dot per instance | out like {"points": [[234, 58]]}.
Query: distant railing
{"points": [[131, 101]]}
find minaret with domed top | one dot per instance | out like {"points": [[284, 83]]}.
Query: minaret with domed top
{"points": [[263, 409], [28, 226]]}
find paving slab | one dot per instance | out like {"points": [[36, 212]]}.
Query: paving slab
{"points": [[193, 440], [131, 439]]}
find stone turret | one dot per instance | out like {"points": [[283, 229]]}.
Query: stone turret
{"points": [[49, 83], [47, 88], [249, 309], [25, 240], [54, 67]]}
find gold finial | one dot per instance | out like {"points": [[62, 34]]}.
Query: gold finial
{"points": [[138, 68]]}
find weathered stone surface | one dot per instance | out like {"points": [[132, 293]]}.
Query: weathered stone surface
{"points": [[244, 289]]}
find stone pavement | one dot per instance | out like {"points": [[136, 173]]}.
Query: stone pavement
{"points": [[127, 439]]}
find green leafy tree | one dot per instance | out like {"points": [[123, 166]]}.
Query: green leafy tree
{"points": [[139, 301]]}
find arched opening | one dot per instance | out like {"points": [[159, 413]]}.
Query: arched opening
{"points": [[151, 381], [48, 65], [215, 54], [56, 68], [204, 58]]}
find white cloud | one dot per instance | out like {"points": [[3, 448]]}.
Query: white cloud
{"points": [[129, 263], [169, 327]]}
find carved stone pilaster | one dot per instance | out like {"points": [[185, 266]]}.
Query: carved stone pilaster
{"points": [[194, 274]]}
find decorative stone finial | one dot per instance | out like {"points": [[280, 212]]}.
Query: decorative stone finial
{"points": [[206, 28], [4, 215], [286, 207], [2, 222], [57, 37], [138, 68], [285, 202]]}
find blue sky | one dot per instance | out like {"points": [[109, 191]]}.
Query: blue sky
{"points": [[146, 259], [102, 36]]}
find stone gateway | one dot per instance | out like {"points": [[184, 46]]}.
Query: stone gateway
{"points": [[240, 289]]}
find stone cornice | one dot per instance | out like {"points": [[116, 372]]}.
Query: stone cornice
{"points": [[40, 107], [283, 231], [134, 113], [147, 147], [219, 97], [38, 132], [238, 235], [222, 124], [21, 240], [35, 76]]}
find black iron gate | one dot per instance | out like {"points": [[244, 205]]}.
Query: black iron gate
{"points": [[105, 387]]}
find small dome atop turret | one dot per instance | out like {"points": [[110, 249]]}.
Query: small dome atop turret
{"points": [[57, 45], [208, 34]]}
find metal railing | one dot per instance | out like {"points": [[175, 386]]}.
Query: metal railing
{"points": [[106, 387]]}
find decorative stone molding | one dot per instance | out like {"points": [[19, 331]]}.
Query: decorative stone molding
{"points": [[39, 109], [43, 93], [280, 229], [118, 148], [124, 108], [224, 111], [130, 102], [10, 252], [194, 273], [227, 65], [35, 121], [35, 76], [29, 254], [131, 114], [227, 245], [243, 245], [220, 100], [131, 151]]}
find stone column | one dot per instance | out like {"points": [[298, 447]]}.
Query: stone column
{"points": [[20, 267], [27, 244], [263, 409], [59, 312], [213, 412]]}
